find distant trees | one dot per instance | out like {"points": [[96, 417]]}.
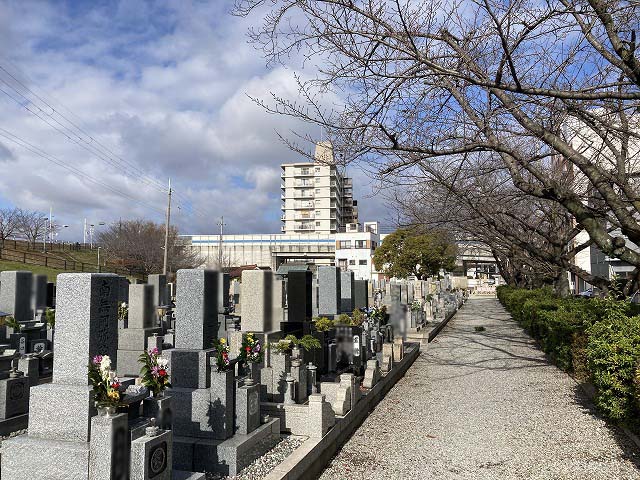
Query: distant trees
{"points": [[32, 225], [412, 252], [140, 244], [9, 222]]}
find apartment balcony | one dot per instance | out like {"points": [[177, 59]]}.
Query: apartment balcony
{"points": [[303, 183], [303, 227], [304, 216], [303, 205], [301, 195], [304, 172], [283, 217], [348, 183], [282, 228]]}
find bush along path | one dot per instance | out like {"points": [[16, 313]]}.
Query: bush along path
{"points": [[485, 404], [596, 340]]}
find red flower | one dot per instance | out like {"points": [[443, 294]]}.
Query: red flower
{"points": [[115, 385], [248, 349], [162, 372]]}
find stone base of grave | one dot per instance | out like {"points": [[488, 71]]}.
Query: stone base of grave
{"points": [[227, 457], [13, 424], [182, 475], [27, 454]]}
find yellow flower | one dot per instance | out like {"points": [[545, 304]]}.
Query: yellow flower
{"points": [[113, 395], [223, 341]]}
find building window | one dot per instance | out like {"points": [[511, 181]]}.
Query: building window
{"points": [[317, 190], [352, 262], [317, 169], [344, 244], [317, 224], [317, 179], [362, 262], [361, 244]]}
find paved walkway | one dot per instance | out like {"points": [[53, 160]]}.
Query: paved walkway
{"points": [[484, 405]]}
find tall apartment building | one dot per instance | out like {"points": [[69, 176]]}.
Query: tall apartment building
{"points": [[316, 196]]}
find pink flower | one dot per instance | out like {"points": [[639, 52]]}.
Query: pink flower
{"points": [[153, 351], [97, 359]]}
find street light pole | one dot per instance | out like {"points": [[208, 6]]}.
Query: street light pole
{"points": [[166, 232]]}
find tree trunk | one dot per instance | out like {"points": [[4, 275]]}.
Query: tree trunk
{"points": [[561, 285]]}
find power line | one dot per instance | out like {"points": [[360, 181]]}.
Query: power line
{"points": [[79, 173], [93, 147]]}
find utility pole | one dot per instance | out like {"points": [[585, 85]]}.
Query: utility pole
{"points": [[50, 232], [221, 224], [84, 233], [166, 232]]}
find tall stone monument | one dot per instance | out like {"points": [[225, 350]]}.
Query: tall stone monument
{"points": [[60, 412]]}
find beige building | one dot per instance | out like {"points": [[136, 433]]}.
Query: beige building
{"points": [[316, 196]]}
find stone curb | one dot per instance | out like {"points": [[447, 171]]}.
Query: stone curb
{"points": [[308, 460]]}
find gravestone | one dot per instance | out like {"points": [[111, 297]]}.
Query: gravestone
{"points": [[51, 295], [15, 294], [299, 296], [159, 283], [361, 297], [329, 291], [257, 301], [225, 280], [197, 315], [60, 412], [39, 299], [347, 292], [190, 362], [133, 340], [279, 296], [123, 290]]}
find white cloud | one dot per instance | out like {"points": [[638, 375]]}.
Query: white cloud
{"points": [[165, 86]]}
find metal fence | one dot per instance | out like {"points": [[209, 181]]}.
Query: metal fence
{"points": [[32, 258]]}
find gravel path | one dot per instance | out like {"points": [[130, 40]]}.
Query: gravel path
{"points": [[484, 405]]}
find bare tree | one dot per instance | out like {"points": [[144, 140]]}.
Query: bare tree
{"points": [[32, 225], [9, 222], [139, 244], [527, 85]]}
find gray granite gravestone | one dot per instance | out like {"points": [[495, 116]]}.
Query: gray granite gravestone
{"points": [[257, 301], [196, 308], [159, 283], [60, 412], [15, 294], [329, 289], [133, 340]]}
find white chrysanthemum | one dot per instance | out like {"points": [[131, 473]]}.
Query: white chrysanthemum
{"points": [[105, 364], [163, 362]]}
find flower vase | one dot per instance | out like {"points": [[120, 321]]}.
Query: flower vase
{"points": [[107, 410], [295, 352], [249, 378]]}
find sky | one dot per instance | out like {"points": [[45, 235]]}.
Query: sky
{"points": [[132, 93]]}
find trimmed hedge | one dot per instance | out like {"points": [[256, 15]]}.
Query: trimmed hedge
{"points": [[595, 339]]}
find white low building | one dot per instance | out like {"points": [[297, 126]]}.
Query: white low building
{"points": [[350, 250]]}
